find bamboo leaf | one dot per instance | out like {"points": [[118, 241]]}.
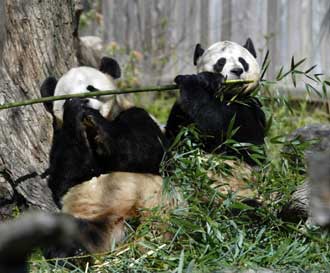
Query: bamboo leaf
{"points": [[279, 74], [310, 69]]}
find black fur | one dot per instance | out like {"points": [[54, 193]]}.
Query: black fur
{"points": [[212, 116], [132, 142], [250, 47], [29, 232], [71, 159], [111, 67], [244, 63], [219, 65], [88, 145], [47, 89], [197, 53], [91, 88], [90, 232]]}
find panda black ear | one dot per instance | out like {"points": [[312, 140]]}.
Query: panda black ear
{"points": [[250, 47], [111, 67], [47, 89], [198, 52]]}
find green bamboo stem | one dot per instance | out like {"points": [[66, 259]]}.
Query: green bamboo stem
{"points": [[103, 93]]}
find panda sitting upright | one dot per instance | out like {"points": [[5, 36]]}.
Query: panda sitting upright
{"points": [[89, 140], [104, 160], [213, 116]]}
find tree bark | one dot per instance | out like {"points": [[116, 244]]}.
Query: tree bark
{"points": [[2, 28], [39, 42]]}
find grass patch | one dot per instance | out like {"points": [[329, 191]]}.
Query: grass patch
{"points": [[208, 236]]}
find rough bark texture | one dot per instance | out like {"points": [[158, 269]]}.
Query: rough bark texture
{"points": [[2, 28], [90, 51], [39, 42]]}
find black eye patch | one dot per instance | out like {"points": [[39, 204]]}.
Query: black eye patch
{"points": [[91, 88], [219, 65], [244, 63]]}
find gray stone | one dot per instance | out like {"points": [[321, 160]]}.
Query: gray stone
{"points": [[318, 134]]}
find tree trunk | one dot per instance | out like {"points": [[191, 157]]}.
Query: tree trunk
{"points": [[2, 28], [39, 42]]}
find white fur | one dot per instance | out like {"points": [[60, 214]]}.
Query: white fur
{"points": [[231, 51], [76, 81]]}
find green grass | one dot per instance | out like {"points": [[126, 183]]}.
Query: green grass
{"points": [[209, 236]]}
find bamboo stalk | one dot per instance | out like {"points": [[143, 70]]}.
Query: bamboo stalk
{"points": [[103, 93]]}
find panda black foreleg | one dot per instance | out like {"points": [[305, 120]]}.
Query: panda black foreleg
{"points": [[198, 102], [74, 110], [210, 82], [71, 158], [176, 120]]}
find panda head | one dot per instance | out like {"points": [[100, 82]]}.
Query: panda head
{"points": [[83, 79], [230, 59]]}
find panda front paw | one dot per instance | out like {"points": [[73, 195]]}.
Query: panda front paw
{"points": [[74, 106], [211, 81], [74, 110], [94, 122], [186, 80], [208, 81]]}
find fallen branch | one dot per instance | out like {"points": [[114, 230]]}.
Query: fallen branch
{"points": [[104, 93]]}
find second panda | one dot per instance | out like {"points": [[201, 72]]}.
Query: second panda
{"points": [[212, 116]]}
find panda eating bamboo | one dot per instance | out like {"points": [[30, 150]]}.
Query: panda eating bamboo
{"points": [[104, 160], [198, 103]]}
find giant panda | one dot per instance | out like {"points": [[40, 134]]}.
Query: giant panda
{"points": [[97, 135], [212, 116], [104, 162]]}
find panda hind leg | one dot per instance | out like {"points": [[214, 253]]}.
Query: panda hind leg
{"points": [[95, 236]]}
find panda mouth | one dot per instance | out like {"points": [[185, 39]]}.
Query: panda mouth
{"points": [[232, 76]]}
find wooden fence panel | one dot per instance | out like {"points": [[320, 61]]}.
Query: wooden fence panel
{"points": [[285, 27]]}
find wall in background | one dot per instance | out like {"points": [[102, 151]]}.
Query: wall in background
{"points": [[166, 32]]}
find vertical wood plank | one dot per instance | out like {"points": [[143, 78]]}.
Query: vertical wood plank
{"points": [[205, 26], [226, 20], [285, 27], [272, 34]]}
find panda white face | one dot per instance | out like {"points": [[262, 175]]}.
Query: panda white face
{"points": [[230, 59], [76, 80]]}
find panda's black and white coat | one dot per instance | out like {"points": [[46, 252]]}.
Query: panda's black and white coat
{"points": [[198, 105], [105, 157]]}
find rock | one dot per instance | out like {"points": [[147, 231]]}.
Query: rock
{"points": [[311, 200], [308, 140], [319, 176]]}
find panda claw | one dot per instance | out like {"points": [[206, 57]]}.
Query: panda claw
{"points": [[88, 121]]}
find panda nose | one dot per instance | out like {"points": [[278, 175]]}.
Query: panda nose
{"points": [[237, 71]]}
